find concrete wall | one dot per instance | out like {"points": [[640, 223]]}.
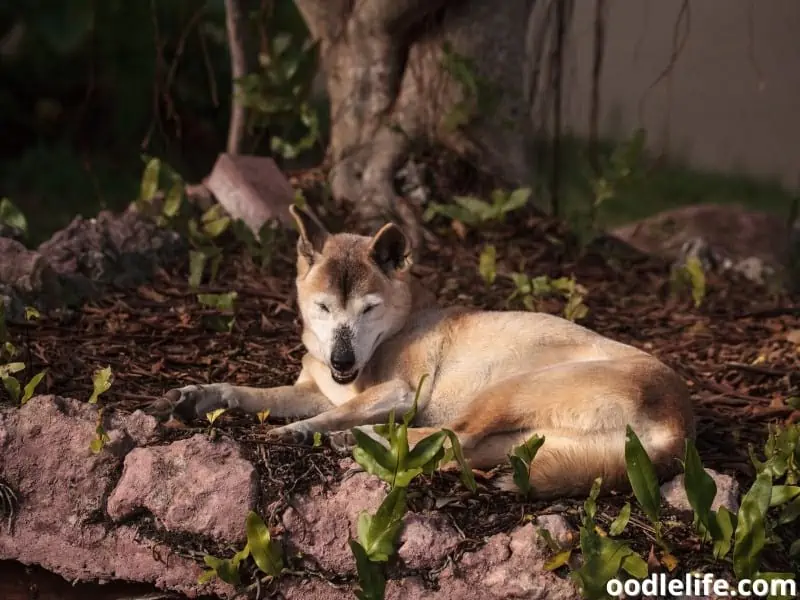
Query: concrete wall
{"points": [[732, 101]]}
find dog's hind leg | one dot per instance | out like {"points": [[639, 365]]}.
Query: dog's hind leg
{"points": [[582, 410]]}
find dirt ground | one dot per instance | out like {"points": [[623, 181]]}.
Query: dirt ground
{"points": [[739, 351]]}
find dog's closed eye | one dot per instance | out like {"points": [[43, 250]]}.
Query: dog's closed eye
{"points": [[323, 307], [368, 308]]}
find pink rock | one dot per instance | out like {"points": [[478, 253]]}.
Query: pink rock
{"points": [[426, 540], [251, 188], [61, 486], [320, 524], [194, 486]]}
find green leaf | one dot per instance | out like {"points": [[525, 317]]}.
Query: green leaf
{"points": [[266, 553], [370, 575], [721, 527], [197, 264], [794, 549], [372, 456], [467, 477], [697, 279], [793, 402], [699, 485], [425, 450], [635, 566], [30, 388], [781, 494], [604, 565], [477, 208], [487, 266], [558, 560], [790, 512], [516, 200], [101, 382], [213, 415], [409, 416], [216, 228], [317, 439], [529, 448], [590, 505], [218, 301], [226, 569], [96, 445], [521, 474], [12, 387], [619, 524], [173, 200], [32, 313], [750, 534], [12, 216], [377, 534], [11, 368], [642, 476], [149, 185]]}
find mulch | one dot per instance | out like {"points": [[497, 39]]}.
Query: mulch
{"points": [[733, 350]]}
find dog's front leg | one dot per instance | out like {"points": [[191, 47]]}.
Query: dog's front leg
{"points": [[370, 407], [302, 399]]}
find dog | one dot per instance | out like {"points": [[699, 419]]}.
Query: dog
{"points": [[495, 378]]}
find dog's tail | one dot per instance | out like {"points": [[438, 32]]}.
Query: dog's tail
{"points": [[567, 465]]}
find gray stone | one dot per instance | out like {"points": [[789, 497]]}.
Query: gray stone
{"points": [[727, 493]]}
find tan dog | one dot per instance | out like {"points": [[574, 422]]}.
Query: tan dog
{"points": [[495, 378]]}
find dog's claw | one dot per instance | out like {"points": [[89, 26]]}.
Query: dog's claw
{"points": [[287, 435]]}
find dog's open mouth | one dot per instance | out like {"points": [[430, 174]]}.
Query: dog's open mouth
{"points": [[344, 378]]}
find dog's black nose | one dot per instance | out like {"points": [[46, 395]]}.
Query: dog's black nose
{"points": [[343, 359]]}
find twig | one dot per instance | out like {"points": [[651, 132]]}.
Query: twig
{"points": [[556, 64], [235, 25]]}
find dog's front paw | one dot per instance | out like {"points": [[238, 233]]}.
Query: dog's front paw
{"points": [[193, 401], [342, 442], [291, 434]]}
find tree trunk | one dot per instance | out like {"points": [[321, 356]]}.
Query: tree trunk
{"points": [[388, 88]]}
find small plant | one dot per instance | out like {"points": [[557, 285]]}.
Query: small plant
{"points": [[101, 437], [531, 290], [225, 303], [12, 217], [643, 479], [398, 466], [474, 212], [479, 96], [101, 383], [521, 458], [9, 368], [212, 417], [8, 502], [603, 556], [262, 416], [266, 553], [488, 264], [263, 247], [690, 276]]}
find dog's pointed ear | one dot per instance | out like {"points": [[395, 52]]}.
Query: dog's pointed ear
{"points": [[389, 249], [312, 233]]}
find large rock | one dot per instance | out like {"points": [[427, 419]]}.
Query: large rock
{"points": [[755, 244], [62, 488], [193, 485], [69, 499], [121, 249]]}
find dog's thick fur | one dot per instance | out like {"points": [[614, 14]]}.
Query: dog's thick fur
{"points": [[495, 378]]}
